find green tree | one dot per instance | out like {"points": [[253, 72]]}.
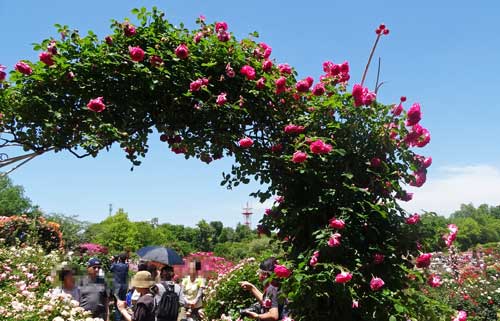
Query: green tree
{"points": [[72, 229], [12, 199], [117, 232]]}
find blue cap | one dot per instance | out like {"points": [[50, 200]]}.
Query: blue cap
{"points": [[93, 262]]}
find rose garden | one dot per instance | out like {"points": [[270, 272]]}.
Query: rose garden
{"points": [[335, 161]]}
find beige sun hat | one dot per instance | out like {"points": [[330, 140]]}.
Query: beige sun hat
{"points": [[142, 280]]}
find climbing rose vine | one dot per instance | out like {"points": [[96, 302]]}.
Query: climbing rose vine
{"points": [[338, 158]]}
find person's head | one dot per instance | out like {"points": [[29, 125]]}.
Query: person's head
{"points": [[66, 276], [122, 258], [142, 282], [167, 273], [153, 269], [266, 268], [93, 267], [192, 270], [142, 266]]}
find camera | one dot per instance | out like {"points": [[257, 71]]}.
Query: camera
{"points": [[253, 308]]}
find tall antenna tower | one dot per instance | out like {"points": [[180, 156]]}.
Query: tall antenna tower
{"points": [[110, 209], [247, 215]]}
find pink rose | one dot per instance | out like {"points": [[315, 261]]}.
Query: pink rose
{"points": [[182, 51], [343, 277], [378, 258], [294, 129], [220, 26], [285, 69], [156, 61], [419, 179], [405, 196], [197, 84], [267, 65], [376, 283], [267, 50], [221, 99], [299, 157], [281, 271], [414, 219], [319, 147], [109, 40], [276, 148], [223, 36], [280, 82], [230, 71], [314, 259], [23, 68], [2, 73], [318, 89], [355, 304], [46, 58], [129, 30], [375, 162], [136, 53], [414, 115], [245, 142], [397, 110], [261, 83], [248, 72], [362, 96], [427, 162], [334, 240], [450, 238], [197, 37], [434, 281], [304, 85], [279, 199], [96, 105], [418, 136], [336, 223], [424, 260], [327, 66], [51, 47], [461, 316]]}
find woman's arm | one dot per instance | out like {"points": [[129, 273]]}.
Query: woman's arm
{"points": [[250, 287]]}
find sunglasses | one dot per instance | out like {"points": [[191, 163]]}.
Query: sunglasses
{"points": [[96, 267]]}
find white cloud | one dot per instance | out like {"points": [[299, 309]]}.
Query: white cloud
{"points": [[451, 186]]}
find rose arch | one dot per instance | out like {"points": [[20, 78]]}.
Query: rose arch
{"points": [[335, 161]]}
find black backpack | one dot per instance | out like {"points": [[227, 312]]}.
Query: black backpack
{"points": [[168, 306]]}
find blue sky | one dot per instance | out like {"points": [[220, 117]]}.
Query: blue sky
{"points": [[443, 54]]}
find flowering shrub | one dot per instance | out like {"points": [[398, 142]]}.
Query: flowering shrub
{"points": [[211, 266], [25, 282], [468, 282], [225, 297], [21, 229], [347, 156]]}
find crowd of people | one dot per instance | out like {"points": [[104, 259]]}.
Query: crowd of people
{"points": [[154, 294], [151, 295]]}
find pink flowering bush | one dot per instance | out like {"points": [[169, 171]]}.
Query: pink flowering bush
{"points": [[224, 295], [27, 276], [323, 168]]}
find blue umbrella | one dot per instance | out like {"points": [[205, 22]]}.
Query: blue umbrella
{"points": [[160, 254]]}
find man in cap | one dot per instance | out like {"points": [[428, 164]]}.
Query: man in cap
{"points": [[94, 295]]}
